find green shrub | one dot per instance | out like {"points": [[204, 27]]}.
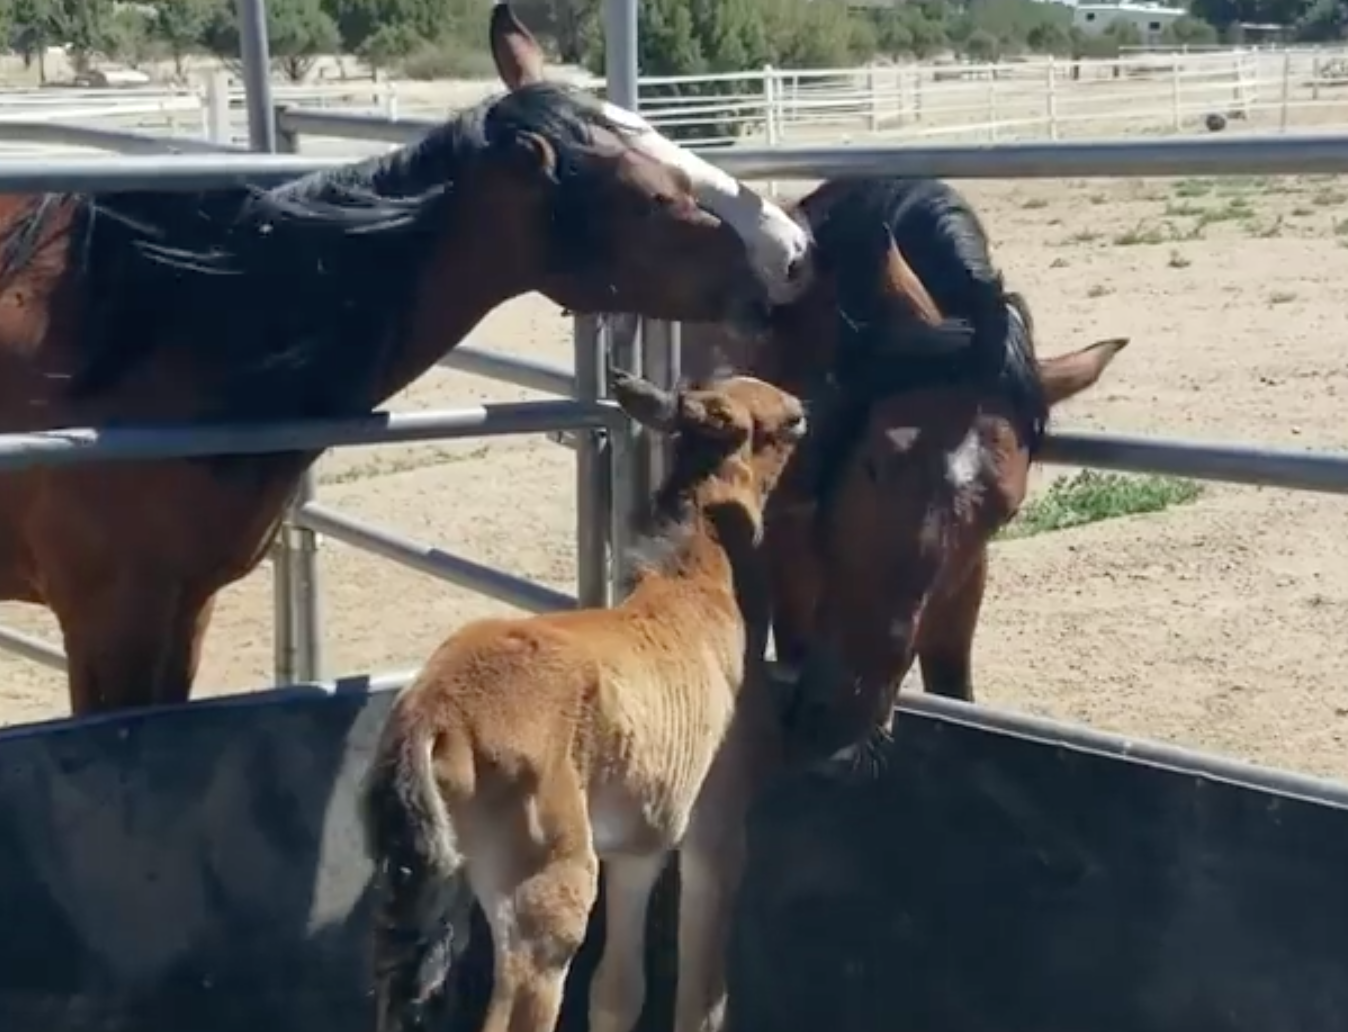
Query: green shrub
{"points": [[449, 58]]}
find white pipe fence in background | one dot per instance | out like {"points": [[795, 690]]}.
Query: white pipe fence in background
{"points": [[1037, 97]]}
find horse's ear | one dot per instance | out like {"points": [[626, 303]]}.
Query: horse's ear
{"points": [[518, 57], [1064, 376], [899, 282], [649, 405], [533, 155]]}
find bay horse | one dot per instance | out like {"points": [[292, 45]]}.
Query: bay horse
{"points": [[528, 750], [318, 298], [929, 406]]}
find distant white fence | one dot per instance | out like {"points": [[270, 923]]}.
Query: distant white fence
{"points": [[1021, 99], [1039, 97]]}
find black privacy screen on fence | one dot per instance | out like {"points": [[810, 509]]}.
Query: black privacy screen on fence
{"points": [[200, 870]]}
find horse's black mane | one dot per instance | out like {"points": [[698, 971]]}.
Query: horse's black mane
{"points": [[290, 300], [945, 243]]}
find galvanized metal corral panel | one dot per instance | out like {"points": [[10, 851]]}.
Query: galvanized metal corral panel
{"points": [[200, 869], [986, 881], [191, 870]]}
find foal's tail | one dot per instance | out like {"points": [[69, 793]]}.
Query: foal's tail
{"points": [[422, 902]]}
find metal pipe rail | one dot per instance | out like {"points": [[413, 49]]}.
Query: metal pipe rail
{"points": [[1210, 156], [186, 172], [521, 372], [352, 126], [1299, 154], [67, 447], [31, 648], [1293, 469], [78, 445], [60, 134], [433, 561]]}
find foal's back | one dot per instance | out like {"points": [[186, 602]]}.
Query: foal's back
{"points": [[632, 702]]}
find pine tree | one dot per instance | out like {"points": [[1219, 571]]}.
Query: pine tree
{"points": [[180, 25]]}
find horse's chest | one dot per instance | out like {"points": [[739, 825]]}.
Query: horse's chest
{"points": [[660, 745]]}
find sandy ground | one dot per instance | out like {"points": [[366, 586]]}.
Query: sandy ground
{"points": [[1215, 625]]}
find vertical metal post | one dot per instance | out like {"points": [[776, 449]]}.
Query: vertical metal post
{"points": [[620, 52], [594, 493], [216, 123], [305, 587], [298, 645], [1052, 98], [256, 56], [631, 486], [300, 551], [662, 360]]}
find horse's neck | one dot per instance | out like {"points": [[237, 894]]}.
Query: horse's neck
{"points": [[460, 286]]}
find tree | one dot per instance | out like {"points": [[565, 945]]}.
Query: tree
{"points": [[576, 27], [394, 28], [129, 38], [1189, 31], [389, 44], [1325, 21], [85, 26], [299, 32], [1124, 33], [1050, 38], [33, 24], [1223, 13], [982, 45], [180, 25]]}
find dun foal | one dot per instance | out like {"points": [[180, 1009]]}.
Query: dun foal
{"points": [[530, 749]]}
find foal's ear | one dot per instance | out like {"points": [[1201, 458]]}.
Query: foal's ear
{"points": [[710, 418], [899, 282], [650, 406], [518, 57]]}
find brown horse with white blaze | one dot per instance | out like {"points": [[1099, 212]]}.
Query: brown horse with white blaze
{"points": [[929, 406], [529, 750], [319, 298]]}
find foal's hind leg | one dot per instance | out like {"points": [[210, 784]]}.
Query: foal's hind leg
{"points": [[618, 989], [131, 644], [536, 879], [946, 638]]}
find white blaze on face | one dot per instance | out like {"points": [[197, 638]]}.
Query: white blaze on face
{"points": [[964, 465], [778, 246]]}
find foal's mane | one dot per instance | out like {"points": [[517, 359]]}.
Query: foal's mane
{"points": [[292, 300], [671, 523], [945, 243]]}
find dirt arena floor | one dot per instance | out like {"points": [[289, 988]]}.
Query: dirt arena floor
{"points": [[1218, 624]]}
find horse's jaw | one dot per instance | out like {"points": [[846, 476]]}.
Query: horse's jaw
{"points": [[781, 250]]}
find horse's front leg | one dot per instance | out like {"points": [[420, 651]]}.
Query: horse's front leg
{"points": [[132, 641], [945, 639], [618, 989], [708, 880]]}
